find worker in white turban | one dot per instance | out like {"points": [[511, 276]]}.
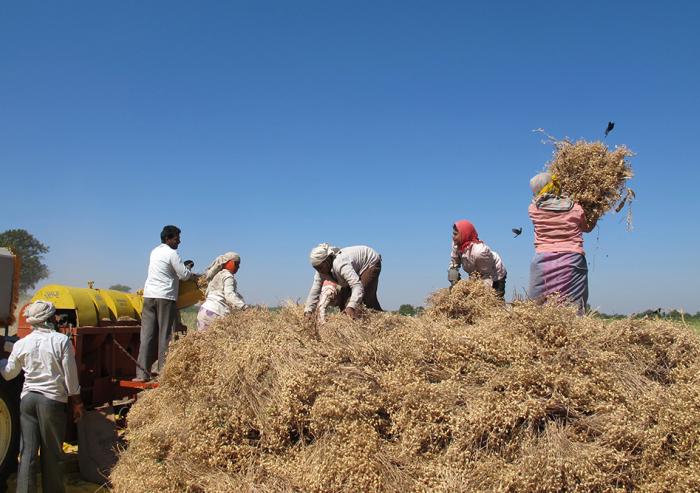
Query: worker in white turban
{"points": [[355, 269], [39, 312], [50, 383], [320, 253]]}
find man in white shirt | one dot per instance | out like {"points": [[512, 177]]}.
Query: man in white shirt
{"points": [[356, 269], [50, 381], [159, 315]]}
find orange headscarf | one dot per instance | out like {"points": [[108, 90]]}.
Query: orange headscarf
{"points": [[467, 234], [230, 265]]}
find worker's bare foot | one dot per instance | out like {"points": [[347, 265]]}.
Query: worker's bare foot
{"points": [[139, 380]]}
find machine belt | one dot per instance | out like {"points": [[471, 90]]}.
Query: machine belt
{"points": [[128, 354]]}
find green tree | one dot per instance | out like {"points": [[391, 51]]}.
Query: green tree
{"points": [[120, 287], [31, 252], [408, 310]]}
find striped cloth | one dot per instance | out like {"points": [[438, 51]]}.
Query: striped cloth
{"points": [[563, 274]]}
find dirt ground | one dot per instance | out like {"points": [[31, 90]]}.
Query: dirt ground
{"points": [[74, 483]]}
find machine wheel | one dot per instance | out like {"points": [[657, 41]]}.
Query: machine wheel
{"points": [[9, 429]]}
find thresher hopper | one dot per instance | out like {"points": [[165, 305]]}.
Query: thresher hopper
{"points": [[104, 326]]}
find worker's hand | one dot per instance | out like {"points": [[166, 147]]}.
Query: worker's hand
{"points": [[309, 315], [351, 312], [76, 407], [453, 275], [78, 412], [7, 347]]}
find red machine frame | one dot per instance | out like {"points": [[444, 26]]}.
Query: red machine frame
{"points": [[105, 355]]}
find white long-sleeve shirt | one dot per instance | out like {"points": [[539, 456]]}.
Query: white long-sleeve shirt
{"points": [[165, 270], [48, 360], [479, 258], [222, 294], [329, 292], [347, 268]]}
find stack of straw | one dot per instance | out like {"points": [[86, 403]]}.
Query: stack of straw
{"points": [[471, 397], [593, 175]]}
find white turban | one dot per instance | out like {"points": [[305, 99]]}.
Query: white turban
{"points": [[219, 263], [39, 312], [320, 253], [539, 181]]}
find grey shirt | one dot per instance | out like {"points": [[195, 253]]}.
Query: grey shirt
{"points": [[48, 360], [348, 265]]}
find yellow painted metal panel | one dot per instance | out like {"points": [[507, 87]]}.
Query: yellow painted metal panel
{"points": [[100, 305], [68, 298], [136, 302], [188, 294], [119, 304]]}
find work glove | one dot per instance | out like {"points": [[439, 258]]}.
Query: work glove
{"points": [[453, 275]]}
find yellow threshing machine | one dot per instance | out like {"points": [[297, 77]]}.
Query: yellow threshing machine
{"points": [[104, 326]]}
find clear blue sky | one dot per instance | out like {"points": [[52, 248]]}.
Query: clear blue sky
{"points": [[267, 127]]}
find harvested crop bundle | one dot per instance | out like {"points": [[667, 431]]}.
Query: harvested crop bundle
{"points": [[593, 175], [467, 300], [529, 399]]}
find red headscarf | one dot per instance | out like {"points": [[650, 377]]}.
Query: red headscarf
{"points": [[467, 234]]}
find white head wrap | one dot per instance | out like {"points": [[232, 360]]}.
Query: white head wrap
{"points": [[320, 253], [219, 263], [539, 181], [39, 312]]}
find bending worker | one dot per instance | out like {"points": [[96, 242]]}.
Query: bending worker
{"points": [[475, 257], [50, 381], [159, 315], [356, 269], [559, 266], [222, 293]]}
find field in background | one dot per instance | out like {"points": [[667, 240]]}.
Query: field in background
{"points": [[189, 316], [695, 324], [690, 321]]}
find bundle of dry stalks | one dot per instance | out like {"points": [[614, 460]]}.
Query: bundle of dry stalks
{"points": [[528, 399], [467, 300], [203, 284], [593, 175]]}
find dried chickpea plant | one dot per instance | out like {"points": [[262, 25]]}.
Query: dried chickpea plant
{"points": [[469, 396]]}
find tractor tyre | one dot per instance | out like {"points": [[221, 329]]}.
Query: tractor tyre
{"points": [[9, 429]]}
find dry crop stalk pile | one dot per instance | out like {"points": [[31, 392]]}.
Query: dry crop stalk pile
{"points": [[593, 175], [467, 397]]}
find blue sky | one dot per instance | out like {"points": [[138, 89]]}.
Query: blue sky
{"points": [[267, 127]]}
